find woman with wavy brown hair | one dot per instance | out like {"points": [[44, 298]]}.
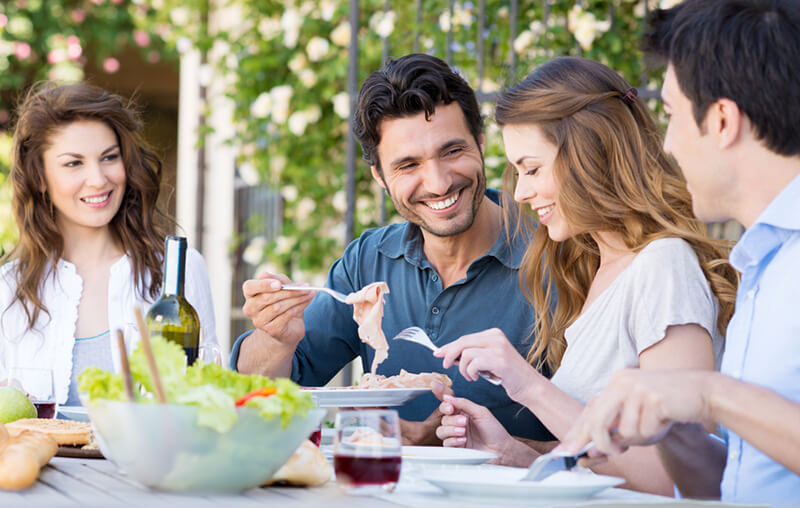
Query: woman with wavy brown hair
{"points": [[85, 192], [639, 282]]}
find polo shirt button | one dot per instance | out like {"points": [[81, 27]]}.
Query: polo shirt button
{"points": [[435, 310], [734, 454], [751, 293], [435, 278]]}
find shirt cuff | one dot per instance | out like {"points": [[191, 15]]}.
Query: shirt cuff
{"points": [[235, 350]]}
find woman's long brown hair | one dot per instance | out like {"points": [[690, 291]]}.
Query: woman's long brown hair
{"points": [[138, 226], [612, 175]]}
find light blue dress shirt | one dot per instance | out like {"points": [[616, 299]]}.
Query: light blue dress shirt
{"points": [[763, 341]]}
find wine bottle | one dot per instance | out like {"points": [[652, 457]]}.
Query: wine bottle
{"points": [[172, 316]]}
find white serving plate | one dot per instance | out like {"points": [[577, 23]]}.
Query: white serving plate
{"points": [[442, 455], [503, 483], [363, 397]]}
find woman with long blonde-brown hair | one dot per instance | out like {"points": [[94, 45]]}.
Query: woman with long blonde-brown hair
{"points": [[639, 282], [85, 189]]}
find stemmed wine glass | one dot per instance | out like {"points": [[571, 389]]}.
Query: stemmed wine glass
{"points": [[367, 450]]}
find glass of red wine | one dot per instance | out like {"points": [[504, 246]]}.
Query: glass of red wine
{"points": [[367, 450], [37, 383]]}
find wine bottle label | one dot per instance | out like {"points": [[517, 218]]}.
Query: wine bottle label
{"points": [[174, 265]]}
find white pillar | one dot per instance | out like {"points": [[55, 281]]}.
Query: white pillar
{"points": [[188, 120]]}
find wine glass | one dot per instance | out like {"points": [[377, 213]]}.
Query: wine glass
{"points": [[37, 383], [367, 450]]}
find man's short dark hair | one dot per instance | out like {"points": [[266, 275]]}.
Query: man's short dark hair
{"points": [[410, 85], [747, 51]]}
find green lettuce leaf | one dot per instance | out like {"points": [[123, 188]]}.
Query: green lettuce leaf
{"points": [[212, 389]]}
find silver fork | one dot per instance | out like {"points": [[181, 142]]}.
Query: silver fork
{"points": [[337, 295], [418, 335], [538, 465]]}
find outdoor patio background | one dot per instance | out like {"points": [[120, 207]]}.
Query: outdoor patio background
{"points": [[257, 93]]}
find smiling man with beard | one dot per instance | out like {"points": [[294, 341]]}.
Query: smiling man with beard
{"points": [[451, 268]]}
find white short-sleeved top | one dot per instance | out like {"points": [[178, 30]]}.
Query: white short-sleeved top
{"points": [[50, 343], [663, 286]]}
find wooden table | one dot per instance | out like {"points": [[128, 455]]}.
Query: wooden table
{"points": [[71, 482]]}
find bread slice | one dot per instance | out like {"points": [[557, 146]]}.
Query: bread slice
{"points": [[65, 432]]}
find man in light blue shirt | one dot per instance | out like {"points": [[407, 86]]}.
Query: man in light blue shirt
{"points": [[732, 92]]}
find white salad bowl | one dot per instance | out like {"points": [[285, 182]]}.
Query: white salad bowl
{"points": [[163, 447]]}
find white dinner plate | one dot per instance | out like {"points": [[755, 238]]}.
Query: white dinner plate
{"points": [[363, 397], [73, 413], [442, 455], [503, 482]]}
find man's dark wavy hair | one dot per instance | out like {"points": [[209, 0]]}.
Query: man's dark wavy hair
{"points": [[410, 85], [747, 51]]}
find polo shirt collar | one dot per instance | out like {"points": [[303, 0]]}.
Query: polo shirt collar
{"points": [[410, 244]]}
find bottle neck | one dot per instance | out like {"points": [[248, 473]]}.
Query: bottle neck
{"points": [[174, 266]]}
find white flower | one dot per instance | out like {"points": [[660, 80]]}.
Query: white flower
{"points": [[493, 161], [298, 62], [337, 232], [283, 245], [269, 28], [585, 27], [183, 44], [383, 23], [327, 8], [317, 48], [462, 16], [291, 21], [298, 122], [341, 104], [314, 113], [308, 78], [262, 106], [444, 21], [502, 12], [179, 16], [668, 4], [249, 175], [523, 40], [341, 34], [305, 208], [537, 27], [340, 201], [254, 252], [281, 95], [289, 193], [490, 86], [306, 7], [276, 164]]}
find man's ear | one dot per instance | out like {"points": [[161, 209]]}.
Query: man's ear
{"points": [[377, 176], [726, 121]]}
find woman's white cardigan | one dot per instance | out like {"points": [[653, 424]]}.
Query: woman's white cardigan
{"points": [[50, 343]]}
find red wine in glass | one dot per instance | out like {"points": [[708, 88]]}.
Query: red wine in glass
{"points": [[45, 409], [359, 471], [316, 437]]}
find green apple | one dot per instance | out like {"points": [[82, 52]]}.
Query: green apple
{"points": [[14, 405]]}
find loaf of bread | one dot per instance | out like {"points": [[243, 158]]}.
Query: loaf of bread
{"points": [[306, 467], [65, 432], [22, 456]]}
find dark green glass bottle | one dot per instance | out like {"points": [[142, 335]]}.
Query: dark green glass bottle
{"points": [[171, 316]]}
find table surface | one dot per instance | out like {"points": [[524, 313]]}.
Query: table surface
{"points": [[98, 483]]}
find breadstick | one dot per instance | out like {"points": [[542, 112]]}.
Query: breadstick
{"points": [[21, 458]]}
